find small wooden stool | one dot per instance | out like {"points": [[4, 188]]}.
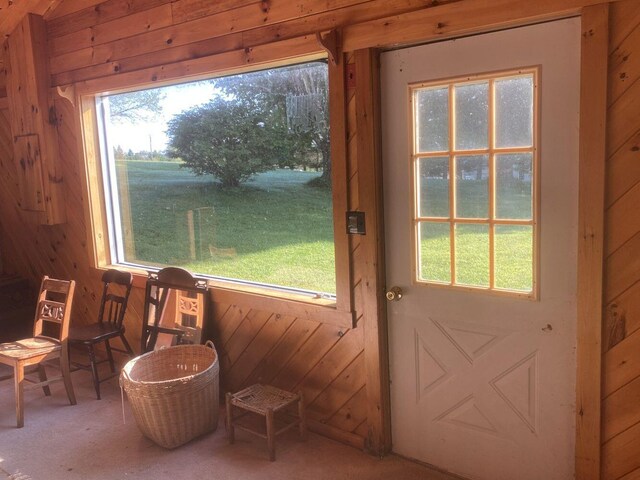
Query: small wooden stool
{"points": [[264, 400]]}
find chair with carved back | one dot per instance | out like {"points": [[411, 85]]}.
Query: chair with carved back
{"points": [[190, 297], [49, 342], [113, 306]]}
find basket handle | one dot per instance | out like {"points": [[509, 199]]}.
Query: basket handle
{"points": [[210, 344]]}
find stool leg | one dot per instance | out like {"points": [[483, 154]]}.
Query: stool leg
{"points": [[303, 417], [230, 431], [271, 435]]}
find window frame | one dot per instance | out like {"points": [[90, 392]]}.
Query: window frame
{"points": [[491, 151], [337, 310]]}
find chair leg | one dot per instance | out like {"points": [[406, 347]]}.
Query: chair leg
{"points": [[42, 374], [126, 344], [110, 356], [66, 374], [94, 370], [18, 375]]}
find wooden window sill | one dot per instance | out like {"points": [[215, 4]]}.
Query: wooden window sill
{"points": [[321, 310]]}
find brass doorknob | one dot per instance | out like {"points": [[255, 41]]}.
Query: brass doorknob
{"points": [[394, 294]]}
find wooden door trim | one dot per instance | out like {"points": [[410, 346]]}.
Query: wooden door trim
{"points": [[369, 154], [591, 203], [593, 96]]}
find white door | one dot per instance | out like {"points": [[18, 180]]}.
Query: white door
{"points": [[483, 382]]}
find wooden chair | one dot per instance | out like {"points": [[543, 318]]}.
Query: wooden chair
{"points": [[190, 299], [113, 306], [49, 342]]}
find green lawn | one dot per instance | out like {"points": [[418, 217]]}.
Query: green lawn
{"points": [[513, 244], [274, 229], [513, 250], [277, 230]]}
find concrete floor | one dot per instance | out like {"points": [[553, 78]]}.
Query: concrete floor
{"points": [[90, 441]]}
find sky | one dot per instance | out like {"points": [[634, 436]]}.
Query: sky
{"points": [[143, 135]]}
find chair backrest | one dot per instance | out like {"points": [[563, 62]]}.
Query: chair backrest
{"points": [[115, 297], [190, 307], [54, 308]]}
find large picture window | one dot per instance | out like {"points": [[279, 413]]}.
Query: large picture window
{"points": [[228, 177], [475, 171]]}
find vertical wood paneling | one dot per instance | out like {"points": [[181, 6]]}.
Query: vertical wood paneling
{"points": [[367, 97], [621, 362], [593, 94]]}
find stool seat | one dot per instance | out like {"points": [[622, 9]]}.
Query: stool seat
{"points": [[265, 400], [260, 398]]}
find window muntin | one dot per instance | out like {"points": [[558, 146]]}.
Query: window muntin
{"points": [[274, 229], [474, 170]]}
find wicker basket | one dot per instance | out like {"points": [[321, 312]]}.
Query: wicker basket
{"points": [[174, 393]]}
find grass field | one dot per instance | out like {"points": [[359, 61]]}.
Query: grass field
{"points": [[513, 244], [274, 229], [277, 230]]}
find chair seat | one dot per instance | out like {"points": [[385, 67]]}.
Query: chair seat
{"points": [[94, 333], [29, 347]]}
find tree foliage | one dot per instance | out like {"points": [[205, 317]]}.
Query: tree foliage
{"points": [[136, 106], [297, 95], [257, 123], [225, 138]]}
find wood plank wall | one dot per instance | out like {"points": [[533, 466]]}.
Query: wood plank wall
{"points": [[117, 37], [621, 362], [140, 40], [325, 361]]}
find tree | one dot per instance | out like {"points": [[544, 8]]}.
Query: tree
{"points": [[118, 153], [136, 106], [296, 96], [225, 138]]}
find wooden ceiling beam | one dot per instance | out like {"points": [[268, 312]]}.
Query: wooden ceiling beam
{"points": [[12, 13]]}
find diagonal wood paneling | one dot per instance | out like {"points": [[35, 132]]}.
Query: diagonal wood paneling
{"points": [[322, 360], [621, 362]]}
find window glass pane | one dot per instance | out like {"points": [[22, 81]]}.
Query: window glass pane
{"points": [[432, 125], [217, 179], [472, 255], [472, 186], [514, 257], [433, 187], [435, 252], [514, 112], [472, 116], [513, 186]]}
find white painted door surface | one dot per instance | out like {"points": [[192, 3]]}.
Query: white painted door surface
{"points": [[483, 385]]}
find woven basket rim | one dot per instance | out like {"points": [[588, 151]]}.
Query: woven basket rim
{"points": [[126, 370]]}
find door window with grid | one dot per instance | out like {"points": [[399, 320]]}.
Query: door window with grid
{"points": [[475, 180]]}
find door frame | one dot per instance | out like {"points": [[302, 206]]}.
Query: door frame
{"points": [[592, 136]]}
